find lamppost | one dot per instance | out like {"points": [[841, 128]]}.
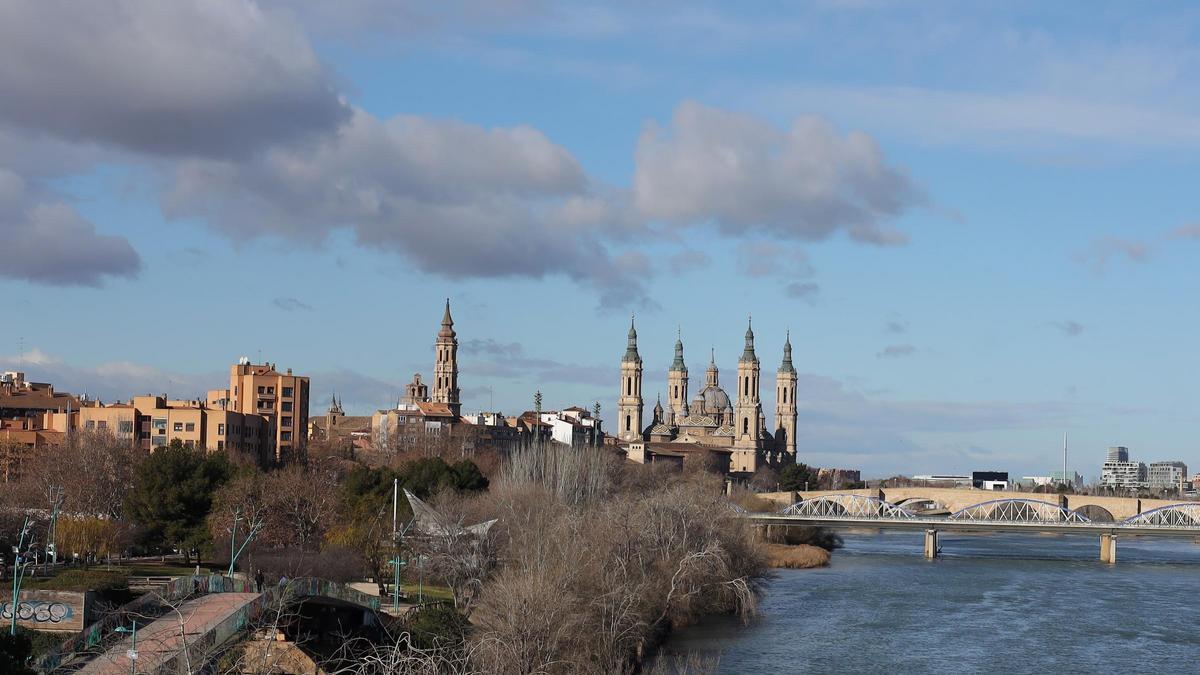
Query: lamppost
{"points": [[255, 525], [22, 555], [133, 652]]}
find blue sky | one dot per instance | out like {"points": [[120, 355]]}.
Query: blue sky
{"points": [[978, 220]]}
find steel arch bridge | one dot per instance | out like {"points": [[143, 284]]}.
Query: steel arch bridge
{"points": [[849, 506], [1173, 515], [1018, 511]]}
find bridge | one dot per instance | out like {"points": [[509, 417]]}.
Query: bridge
{"points": [[1008, 514], [203, 613]]}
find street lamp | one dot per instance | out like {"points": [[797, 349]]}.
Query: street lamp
{"points": [[133, 652], [21, 562], [237, 515]]}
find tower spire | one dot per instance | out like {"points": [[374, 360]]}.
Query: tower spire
{"points": [[748, 353]]}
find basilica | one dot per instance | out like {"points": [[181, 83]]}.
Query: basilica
{"points": [[736, 428]]}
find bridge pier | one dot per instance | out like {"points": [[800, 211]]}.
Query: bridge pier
{"points": [[1108, 548], [931, 544]]}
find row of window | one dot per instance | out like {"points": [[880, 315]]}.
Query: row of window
{"points": [[287, 392], [123, 427]]}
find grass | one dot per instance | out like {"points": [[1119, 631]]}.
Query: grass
{"points": [[799, 557]]}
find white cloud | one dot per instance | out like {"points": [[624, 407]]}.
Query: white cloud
{"points": [[745, 175]]}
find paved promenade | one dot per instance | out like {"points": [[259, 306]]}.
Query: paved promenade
{"points": [[163, 638]]}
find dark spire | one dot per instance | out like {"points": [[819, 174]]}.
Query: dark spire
{"points": [[786, 366], [748, 353], [710, 378], [447, 323], [678, 365], [631, 352]]}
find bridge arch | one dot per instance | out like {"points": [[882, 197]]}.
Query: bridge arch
{"points": [[918, 504], [1096, 513], [1172, 515], [1018, 511], [848, 506]]}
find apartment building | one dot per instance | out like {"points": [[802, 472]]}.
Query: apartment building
{"points": [[281, 399], [1123, 474], [151, 422]]}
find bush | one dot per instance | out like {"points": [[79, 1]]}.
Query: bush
{"points": [[438, 626], [15, 651]]}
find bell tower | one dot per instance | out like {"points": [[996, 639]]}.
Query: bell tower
{"points": [[748, 411], [785, 407], [677, 385], [629, 405], [445, 367]]}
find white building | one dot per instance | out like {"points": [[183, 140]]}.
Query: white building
{"points": [[1123, 474], [1166, 474]]}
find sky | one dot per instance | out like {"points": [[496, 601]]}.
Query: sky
{"points": [[978, 221]]}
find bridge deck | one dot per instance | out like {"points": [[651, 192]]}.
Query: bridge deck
{"points": [[163, 638], [947, 525]]}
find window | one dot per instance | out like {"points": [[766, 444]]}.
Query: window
{"points": [[270, 390], [178, 426], [262, 390], [285, 436], [285, 422], [628, 422], [190, 426], [746, 425], [160, 425], [102, 424], [286, 406], [125, 427], [220, 445], [287, 392], [220, 431], [89, 425]]}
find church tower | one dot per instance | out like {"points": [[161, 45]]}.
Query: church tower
{"points": [[629, 406], [677, 385], [445, 368], [748, 411], [785, 407]]}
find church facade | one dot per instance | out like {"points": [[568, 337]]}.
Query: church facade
{"points": [[712, 420]]}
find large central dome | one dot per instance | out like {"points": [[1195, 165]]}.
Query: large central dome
{"points": [[715, 399]]}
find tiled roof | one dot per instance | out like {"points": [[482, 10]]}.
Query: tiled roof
{"points": [[698, 421]]}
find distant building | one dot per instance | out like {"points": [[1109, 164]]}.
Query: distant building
{"points": [[958, 480], [150, 422], [1071, 478], [1117, 453], [990, 480], [280, 398], [1166, 474], [1123, 474], [21, 398]]}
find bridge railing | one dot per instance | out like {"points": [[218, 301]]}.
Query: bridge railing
{"points": [[1170, 516]]}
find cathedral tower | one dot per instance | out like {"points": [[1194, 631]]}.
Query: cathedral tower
{"points": [[629, 406], [445, 368], [748, 411], [677, 385], [785, 407]]}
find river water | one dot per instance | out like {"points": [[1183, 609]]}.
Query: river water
{"points": [[991, 604]]}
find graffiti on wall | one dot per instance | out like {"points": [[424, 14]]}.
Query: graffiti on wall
{"points": [[47, 610]]}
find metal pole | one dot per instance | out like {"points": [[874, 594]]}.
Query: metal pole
{"points": [[17, 575], [133, 661], [237, 515], [396, 544]]}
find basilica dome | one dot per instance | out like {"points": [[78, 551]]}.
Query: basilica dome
{"points": [[714, 399]]}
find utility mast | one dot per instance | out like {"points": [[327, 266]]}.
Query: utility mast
{"points": [[1064, 473]]}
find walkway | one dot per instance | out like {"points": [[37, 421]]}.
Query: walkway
{"points": [[161, 640]]}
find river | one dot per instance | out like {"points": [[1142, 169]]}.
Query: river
{"points": [[991, 603]]}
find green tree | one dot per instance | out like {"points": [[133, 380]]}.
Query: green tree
{"points": [[173, 494], [468, 477], [797, 477]]}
